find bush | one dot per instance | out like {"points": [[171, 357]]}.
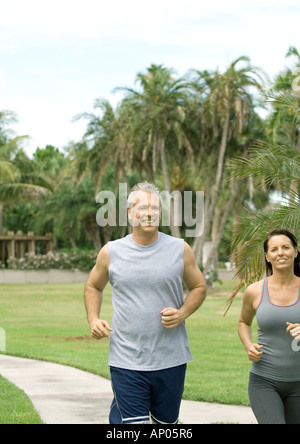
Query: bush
{"points": [[70, 260]]}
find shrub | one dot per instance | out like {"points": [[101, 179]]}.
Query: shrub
{"points": [[70, 260]]}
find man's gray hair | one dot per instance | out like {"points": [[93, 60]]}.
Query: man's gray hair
{"points": [[143, 186]]}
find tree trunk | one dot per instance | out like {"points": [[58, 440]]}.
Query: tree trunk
{"points": [[68, 232], [174, 230], [1, 217], [221, 228], [99, 178], [215, 194], [197, 244], [92, 229], [236, 253], [214, 238]]}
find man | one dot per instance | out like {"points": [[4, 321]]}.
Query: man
{"points": [[149, 347]]}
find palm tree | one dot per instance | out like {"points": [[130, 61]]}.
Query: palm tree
{"points": [[227, 110], [107, 139], [284, 99], [268, 165], [18, 177], [18, 180], [158, 107], [70, 210]]}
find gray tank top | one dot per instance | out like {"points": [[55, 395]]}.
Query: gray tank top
{"points": [[279, 361], [145, 280]]}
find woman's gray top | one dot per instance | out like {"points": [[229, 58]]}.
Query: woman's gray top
{"points": [[280, 360]]}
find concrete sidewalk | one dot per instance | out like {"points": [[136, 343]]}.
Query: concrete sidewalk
{"points": [[65, 395]]}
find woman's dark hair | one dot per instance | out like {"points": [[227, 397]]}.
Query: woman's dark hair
{"points": [[287, 233]]}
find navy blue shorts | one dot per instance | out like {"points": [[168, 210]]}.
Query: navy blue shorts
{"points": [[139, 395]]}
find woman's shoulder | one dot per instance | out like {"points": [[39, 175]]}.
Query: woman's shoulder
{"points": [[254, 290]]}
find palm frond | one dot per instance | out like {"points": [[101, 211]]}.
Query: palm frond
{"points": [[8, 171], [9, 192], [12, 146], [271, 164], [251, 233], [284, 99]]}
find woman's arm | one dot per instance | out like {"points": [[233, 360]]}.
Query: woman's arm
{"points": [[247, 315]]}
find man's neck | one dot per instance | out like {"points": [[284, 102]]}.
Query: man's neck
{"points": [[144, 238]]}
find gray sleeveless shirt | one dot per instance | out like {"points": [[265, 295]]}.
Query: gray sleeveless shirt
{"points": [[279, 361], [145, 280]]}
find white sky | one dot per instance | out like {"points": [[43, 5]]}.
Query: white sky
{"points": [[57, 56]]}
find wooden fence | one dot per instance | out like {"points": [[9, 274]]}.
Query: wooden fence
{"points": [[16, 245]]}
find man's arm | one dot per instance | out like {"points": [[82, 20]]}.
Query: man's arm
{"points": [[193, 278], [93, 295]]}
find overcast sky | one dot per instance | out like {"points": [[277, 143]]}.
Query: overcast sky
{"points": [[57, 56]]}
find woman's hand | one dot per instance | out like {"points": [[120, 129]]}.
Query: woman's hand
{"points": [[293, 330], [254, 353]]}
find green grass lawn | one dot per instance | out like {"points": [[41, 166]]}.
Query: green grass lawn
{"points": [[15, 407], [48, 322]]}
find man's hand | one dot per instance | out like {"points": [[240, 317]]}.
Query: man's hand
{"points": [[100, 329], [171, 317]]}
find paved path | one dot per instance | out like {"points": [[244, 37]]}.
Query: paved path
{"points": [[65, 395]]}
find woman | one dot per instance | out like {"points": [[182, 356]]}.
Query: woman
{"points": [[274, 383]]}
